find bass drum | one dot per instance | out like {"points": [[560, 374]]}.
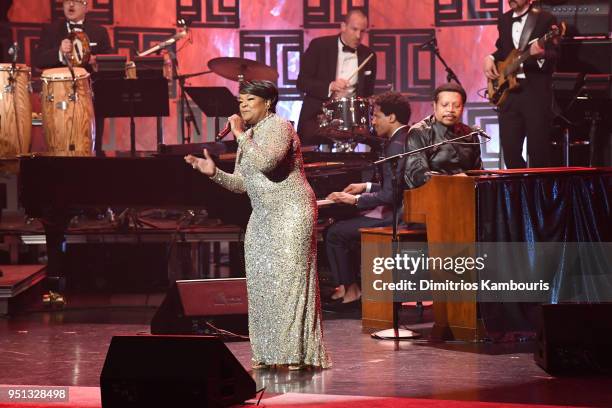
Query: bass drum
{"points": [[68, 112], [15, 111]]}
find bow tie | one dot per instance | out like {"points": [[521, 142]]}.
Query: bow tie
{"points": [[517, 19], [346, 48], [75, 26]]}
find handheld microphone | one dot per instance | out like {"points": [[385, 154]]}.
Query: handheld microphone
{"points": [[431, 44], [226, 130]]}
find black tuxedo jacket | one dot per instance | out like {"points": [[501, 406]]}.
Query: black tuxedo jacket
{"points": [[46, 54], [383, 194], [318, 68], [504, 44]]}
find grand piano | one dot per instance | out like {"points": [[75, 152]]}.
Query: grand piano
{"points": [[55, 188]]}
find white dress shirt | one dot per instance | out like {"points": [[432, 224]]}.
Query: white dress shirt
{"points": [[347, 64], [517, 30]]}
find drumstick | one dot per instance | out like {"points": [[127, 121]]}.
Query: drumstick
{"points": [[361, 66]]}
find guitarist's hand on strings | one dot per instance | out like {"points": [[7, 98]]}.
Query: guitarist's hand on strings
{"points": [[490, 69]]}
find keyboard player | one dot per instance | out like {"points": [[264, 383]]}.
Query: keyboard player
{"points": [[375, 201], [445, 123]]}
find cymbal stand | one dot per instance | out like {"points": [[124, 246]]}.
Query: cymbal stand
{"points": [[189, 117]]}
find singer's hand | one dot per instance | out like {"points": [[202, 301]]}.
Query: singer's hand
{"points": [[205, 165], [66, 46], [237, 124], [355, 188]]}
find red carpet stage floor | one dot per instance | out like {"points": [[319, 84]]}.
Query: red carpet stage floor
{"points": [[68, 348]]}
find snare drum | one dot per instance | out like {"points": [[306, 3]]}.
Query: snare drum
{"points": [[15, 111], [350, 115], [68, 116]]}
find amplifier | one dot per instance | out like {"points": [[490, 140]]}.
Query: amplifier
{"points": [[586, 56], [583, 18]]}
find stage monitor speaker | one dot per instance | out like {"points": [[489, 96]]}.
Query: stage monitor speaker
{"points": [[172, 371], [575, 338], [202, 306]]}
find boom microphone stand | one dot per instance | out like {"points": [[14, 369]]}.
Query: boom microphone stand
{"points": [[432, 45]]}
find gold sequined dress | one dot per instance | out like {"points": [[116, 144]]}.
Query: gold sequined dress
{"points": [[280, 246]]}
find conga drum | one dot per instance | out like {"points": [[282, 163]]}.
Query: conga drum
{"points": [[15, 111], [68, 112]]}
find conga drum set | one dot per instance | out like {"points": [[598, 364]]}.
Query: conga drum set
{"points": [[67, 107]]}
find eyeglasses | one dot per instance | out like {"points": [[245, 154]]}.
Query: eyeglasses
{"points": [[80, 2]]}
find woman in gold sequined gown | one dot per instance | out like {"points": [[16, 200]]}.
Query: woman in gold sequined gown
{"points": [[280, 242]]}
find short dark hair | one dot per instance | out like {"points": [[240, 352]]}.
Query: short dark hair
{"points": [[261, 88], [354, 11], [450, 87], [394, 102]]}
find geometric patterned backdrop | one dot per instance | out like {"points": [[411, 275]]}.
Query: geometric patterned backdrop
{"points": [[277, 32]]}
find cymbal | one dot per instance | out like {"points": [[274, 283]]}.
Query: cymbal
{"points": [[241, 69]]}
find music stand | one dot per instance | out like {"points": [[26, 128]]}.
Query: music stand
{"points": [[132, 98], [214, 101]]}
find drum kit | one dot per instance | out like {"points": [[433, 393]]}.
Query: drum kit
{"points": [[345, 121]]}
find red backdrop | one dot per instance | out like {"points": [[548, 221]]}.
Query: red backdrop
{"points": [[276, 32]]}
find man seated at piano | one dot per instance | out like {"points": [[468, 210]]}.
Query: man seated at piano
{"points": [[445, 123], [342, 239]]}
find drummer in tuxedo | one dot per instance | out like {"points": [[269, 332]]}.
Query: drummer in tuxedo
{"points": [[54, 44], [325, 69]]}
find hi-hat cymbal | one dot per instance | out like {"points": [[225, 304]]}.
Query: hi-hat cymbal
{"points": [[241, 69]]}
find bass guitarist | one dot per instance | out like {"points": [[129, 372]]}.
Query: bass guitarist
{"points": [[527, 111]]}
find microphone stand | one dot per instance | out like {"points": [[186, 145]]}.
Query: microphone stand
{"points": [[396, 333], [450, 74], [73, 98]]}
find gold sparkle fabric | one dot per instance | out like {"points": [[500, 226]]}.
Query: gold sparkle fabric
{"points": [[280, 246]]}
